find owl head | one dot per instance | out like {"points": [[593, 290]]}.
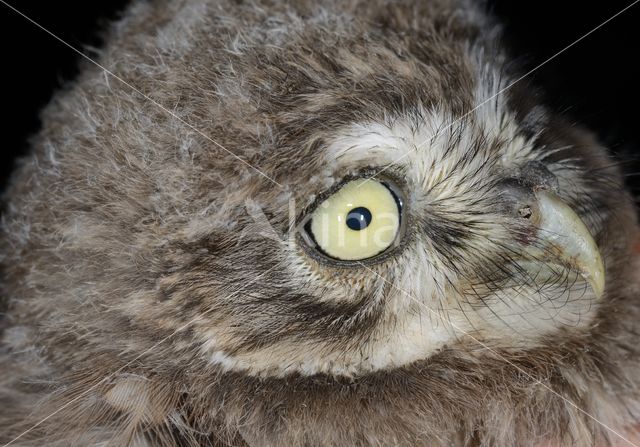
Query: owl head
{"points": [[349, 191]]}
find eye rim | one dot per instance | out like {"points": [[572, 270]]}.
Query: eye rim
{"points": [[307, 242]]}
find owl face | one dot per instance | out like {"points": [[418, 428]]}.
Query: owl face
{"points": [[476, 236], [416, 205], [346, 198]]}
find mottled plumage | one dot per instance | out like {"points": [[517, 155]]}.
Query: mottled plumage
{"points": [[157, 292]]}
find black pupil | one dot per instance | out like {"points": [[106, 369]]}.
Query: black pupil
{"points": [[359, 218]]}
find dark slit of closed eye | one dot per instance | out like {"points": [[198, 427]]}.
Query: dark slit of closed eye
{"points": [[359, 218]]}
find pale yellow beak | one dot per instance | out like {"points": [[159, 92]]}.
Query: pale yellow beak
{"points": [[567, 240]]}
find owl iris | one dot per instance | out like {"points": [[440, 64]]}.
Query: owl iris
{"points": [[357, 222]]}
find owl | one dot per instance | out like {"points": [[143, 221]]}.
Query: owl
{"points": [[315, 223]]}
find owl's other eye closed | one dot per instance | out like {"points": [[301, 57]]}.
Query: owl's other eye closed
{"points": [[359, 221]]}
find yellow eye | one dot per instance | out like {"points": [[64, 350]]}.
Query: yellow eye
{"points": [[359, 221]]}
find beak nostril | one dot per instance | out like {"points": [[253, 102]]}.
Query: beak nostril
{"points": [[515, 199], [517, 194], [525, 212]]}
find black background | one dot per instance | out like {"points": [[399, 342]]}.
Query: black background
{"points": [[596, 81]]}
